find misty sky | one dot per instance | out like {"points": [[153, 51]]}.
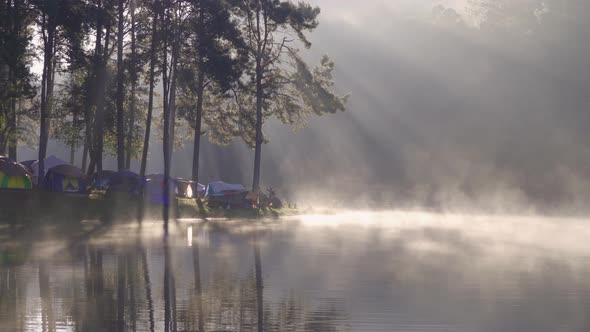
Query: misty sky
{"points": [[449, 106]]}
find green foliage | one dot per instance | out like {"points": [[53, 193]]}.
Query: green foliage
{"points": [[223, 49], [291, 91], [16, 79]]}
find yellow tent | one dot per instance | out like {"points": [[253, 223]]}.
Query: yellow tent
{"points": [[15, 181], [14, 176]]}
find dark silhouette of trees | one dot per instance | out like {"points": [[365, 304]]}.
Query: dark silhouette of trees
{"points": [[58, 21], [120, 87], [173, 16], [154, 41], [133, 64], [214, 63], [225, 67], [16, 80]]}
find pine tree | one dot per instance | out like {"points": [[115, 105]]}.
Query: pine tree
{"points": [[280, 83]]}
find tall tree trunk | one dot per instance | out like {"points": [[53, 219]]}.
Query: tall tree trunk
{"points": [[84, 156], [262, 40], [172, 99], [99, 119], [12, 119], [92, 165], [130, 133], [5, 76], [72, 152], [198, 122], [148, 122], [258, 148], [120, 92], [46, 96], [199, 115], [11, 116], [90, 144], [73, 142], [170, 111], [166, 113]]}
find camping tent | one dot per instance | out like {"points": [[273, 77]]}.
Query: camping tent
{"points": [[154, 189], [222, 189], [125, 182], [65, 178], [221, 194], [28, 164], [50, 162], [188, 189], [14, 176], [100, 180]]}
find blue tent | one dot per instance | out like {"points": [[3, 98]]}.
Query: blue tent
{"points": [[66, 179], [125, 182], [101, 180], [28, 164], [221, 194], [154, 189]]}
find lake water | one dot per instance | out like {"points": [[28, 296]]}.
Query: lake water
{"points": [[355, 271]]}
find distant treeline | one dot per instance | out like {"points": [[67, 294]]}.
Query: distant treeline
{"points": [[225, 66]]}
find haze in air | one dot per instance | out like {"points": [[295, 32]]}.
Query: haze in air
{"points": [[275, 165], [452, 103]]}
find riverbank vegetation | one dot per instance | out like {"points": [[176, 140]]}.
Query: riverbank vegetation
{"points": [[114, 73], [40, 207]]}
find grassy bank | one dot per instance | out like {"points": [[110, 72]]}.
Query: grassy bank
{"points": [[19, 207]]}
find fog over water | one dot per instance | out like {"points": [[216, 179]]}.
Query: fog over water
{"points": [[467, 132], [450, 106], [352, 271]]}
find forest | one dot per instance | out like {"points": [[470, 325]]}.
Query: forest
{"points": [[113, 73]]}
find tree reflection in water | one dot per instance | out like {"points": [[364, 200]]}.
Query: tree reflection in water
{"points": [[465, 275], [101, 284]]}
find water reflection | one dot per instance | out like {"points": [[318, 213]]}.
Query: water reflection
{"points": [[382, 272]]}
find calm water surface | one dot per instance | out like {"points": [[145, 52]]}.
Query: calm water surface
{"points": [[390, 271]]}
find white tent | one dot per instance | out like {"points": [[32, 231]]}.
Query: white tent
{"points": [[189, 189], [50, 162]]}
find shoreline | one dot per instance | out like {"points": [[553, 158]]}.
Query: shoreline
{"points": [[17, 207]]}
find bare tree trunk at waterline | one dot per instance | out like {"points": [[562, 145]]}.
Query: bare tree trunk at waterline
{"points": [[120, 92], [99, 119], [148, 122], [12, 120], [198, 123], [46, 96], [133, 84], [258, 148]]}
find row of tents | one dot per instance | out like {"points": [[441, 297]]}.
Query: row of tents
{"points": [[59, 176], [62, 177]]}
